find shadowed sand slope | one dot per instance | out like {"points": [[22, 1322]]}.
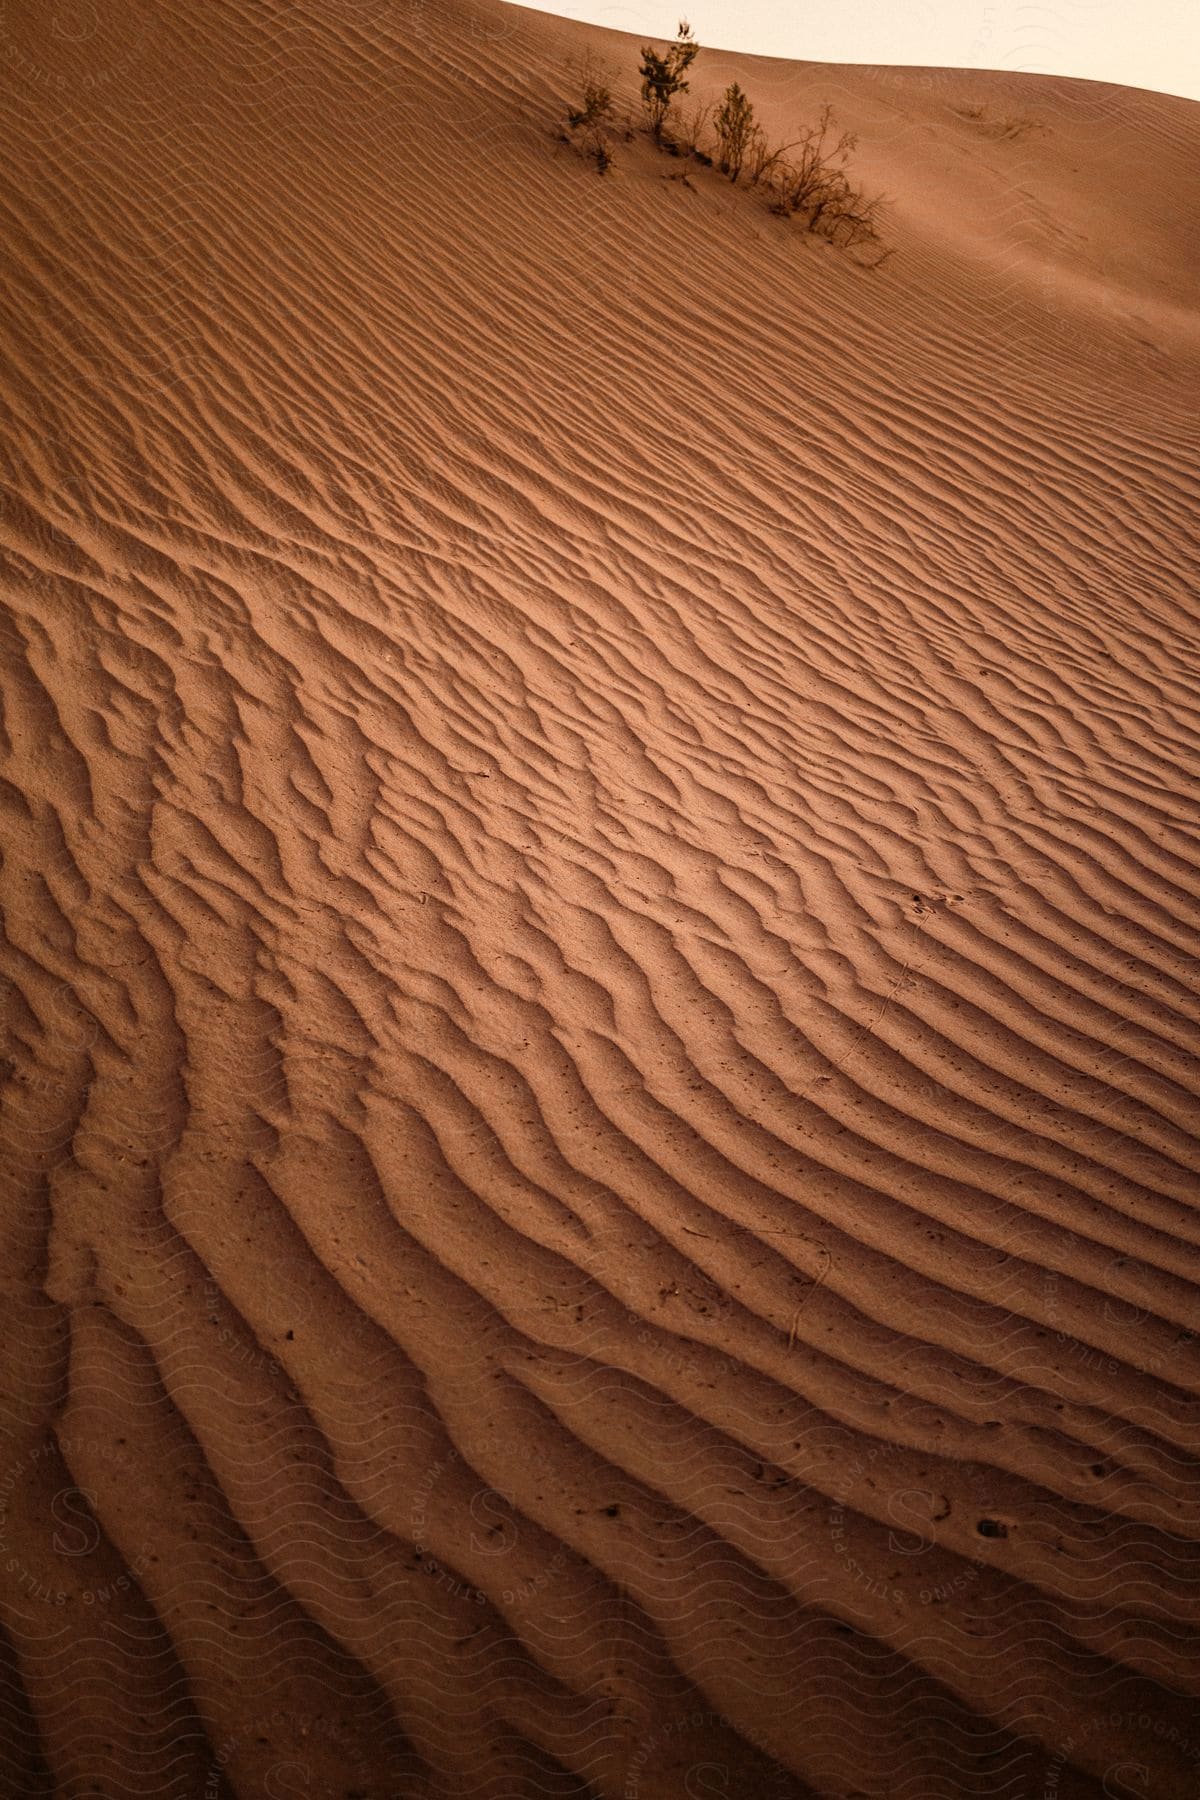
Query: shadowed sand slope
{"points": [[602, 930]]}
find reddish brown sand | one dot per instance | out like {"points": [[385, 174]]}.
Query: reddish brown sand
{"points": [[602, 930]]}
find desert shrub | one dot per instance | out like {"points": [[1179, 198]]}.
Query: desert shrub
{"points": [[816, 186], [808, 181], [690, 129], [761, 160], [807, 178], [851, 221], [734, 125], [595, 117], [597, 104], [663, 76]]}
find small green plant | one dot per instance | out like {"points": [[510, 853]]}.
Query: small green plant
{"points": [[663, 76], [734, 125]]}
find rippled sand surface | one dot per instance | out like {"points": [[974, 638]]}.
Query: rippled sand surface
{"points": [[601, 930]]}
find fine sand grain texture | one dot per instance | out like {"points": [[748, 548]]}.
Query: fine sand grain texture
{"points": [[602, 936]]}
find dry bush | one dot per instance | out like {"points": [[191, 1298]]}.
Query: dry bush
{"points": [[851, 221], [734, 125], [663, 76], [806, 179], [597, 104], [761, 160], [803, 182], [690, 129], [816, 187], [595, 118]]}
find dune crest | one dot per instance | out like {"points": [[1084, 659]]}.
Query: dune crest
{"points": [[601, 929]]}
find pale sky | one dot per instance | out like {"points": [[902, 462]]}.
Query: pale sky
{"points": [[1139, 43]]}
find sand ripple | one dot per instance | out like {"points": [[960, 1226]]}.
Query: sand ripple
{"points": [[602, 933]]}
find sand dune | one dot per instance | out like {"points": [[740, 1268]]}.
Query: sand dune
{"points": [[602, 930]]}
